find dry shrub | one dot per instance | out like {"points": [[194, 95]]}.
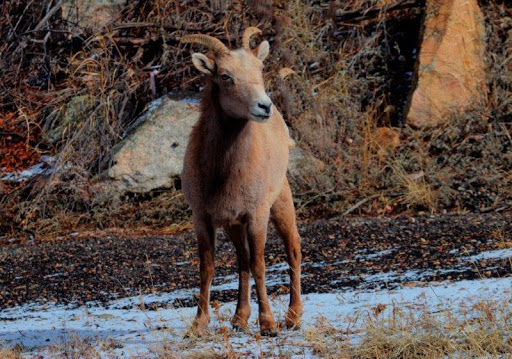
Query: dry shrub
{"points": [[354, 79], [338, 98], [72, 94], [74, 346], [79, 104]]}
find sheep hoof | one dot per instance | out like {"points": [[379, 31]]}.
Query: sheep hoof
{"points": [[293, 319], [240, 327], [270, 332]]}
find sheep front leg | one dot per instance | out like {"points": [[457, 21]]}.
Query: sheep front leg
{"points": [[237, 235], [257, 235], [206, 247]]}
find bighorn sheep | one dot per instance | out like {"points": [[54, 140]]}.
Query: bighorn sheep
{"points": [[234, 176]]}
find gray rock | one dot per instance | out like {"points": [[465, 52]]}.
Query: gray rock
{"points": [[152, 155], [74, 112], [302, 166], [90, 14]]}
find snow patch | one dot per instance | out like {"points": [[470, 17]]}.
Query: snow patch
{"points": [[191, 101], [42, 168], [140, 331], [374, 255], [495, 254]]}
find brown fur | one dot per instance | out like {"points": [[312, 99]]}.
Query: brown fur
{"points": [[234, 177]]}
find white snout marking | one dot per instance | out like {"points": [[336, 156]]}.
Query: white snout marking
{"points": [[261, 109]]}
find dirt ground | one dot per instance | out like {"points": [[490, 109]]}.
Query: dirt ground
{"points": [[341, 253]]}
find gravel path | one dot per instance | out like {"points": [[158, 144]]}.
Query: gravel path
{"points": [[337, 254]]}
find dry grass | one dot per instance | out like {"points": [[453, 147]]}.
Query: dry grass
{"points": [[416, 192], [75, 92], [344, 104], [481, 329], [75, 347], [9, 353]]}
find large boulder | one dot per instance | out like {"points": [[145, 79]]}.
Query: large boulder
{"points": [[450, 71], [152, 155]]}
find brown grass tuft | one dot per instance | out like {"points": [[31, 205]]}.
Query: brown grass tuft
{"points": [[9, 354], [479, 329]]}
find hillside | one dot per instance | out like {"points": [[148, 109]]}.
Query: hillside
{"points": [[74, 79]]}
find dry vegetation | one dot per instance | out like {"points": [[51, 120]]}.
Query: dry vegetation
{"points": [[481, 328], [68, 92], [71, 93], [8, 354]]}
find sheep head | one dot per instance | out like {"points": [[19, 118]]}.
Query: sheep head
{"points": [[237, 73]]}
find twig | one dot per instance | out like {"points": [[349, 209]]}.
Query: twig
{"points": [[21, 229], [492, 208], [360, 15], [360, 203], [301, 206], [7, 133], [129, 25], [136, 41], [13, 33], [48, 15]]}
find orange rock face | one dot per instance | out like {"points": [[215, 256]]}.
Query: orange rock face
{"points": [[450, 71]]}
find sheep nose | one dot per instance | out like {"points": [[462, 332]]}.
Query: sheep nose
{"points": [[265, 107]]}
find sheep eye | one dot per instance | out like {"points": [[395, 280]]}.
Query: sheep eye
{"points": [[226, 78]]}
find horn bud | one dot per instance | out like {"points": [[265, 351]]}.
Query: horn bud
{"points": [[246, 37]]}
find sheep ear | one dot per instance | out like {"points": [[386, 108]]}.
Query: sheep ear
{"points": [[261, 51], [203, 63]]}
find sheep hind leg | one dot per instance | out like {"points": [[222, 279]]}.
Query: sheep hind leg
{"points": [[205, 233], [283, 218], [237, 234]]}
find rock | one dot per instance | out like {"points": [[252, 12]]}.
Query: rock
{"points": [[450, 71], [74, 112], [304, 169], [152, 156], [91, 14]]}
